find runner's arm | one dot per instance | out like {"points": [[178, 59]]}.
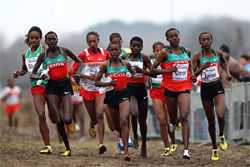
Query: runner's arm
{"points": [[36, 67], [102, 71], [24, 69], [163, 55], [225, 64]]}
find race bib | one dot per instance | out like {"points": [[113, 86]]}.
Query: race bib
{"points": [[30, 64], [157, 80], [210, 74], [133, 64], [181, 73], [90, 69]]}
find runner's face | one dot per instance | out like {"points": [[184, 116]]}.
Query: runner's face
{"points": [[51, 40], [136, 47], [92, 42], [116, 39], [173, 38], [11, 83], [114, 50], [157, 49], [34, 39], [206, 41]]}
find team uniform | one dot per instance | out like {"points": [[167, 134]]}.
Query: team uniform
{"points": [[177, 82], [37, 86], [59, 83], [156, 91], [12, 100], [91, 65], [119, 93], [211, 84], [137, 87]]}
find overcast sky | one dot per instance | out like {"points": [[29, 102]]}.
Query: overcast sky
{"points": [[66, 16]]}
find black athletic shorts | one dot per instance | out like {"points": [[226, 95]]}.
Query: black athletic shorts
{"points": [[114, 98], [59, 87], [209, 91], [169, 93], [139, 92]]}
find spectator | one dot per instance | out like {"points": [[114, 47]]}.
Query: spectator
{"points": [[236, 70], [245, 61]]}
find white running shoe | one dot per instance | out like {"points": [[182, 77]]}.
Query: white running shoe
{"points": [[172, 128], [185, 154]]}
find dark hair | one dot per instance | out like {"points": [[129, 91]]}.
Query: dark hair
{"points": [[34, 28], [114, 35], [93, 33], [136, 39], [225, 48], [157, 43], [245, 56], [205, 33], [170, 29], [114, 43], [50, 32]]}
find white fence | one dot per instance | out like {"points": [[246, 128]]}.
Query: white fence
{"points": [[237, 117]]}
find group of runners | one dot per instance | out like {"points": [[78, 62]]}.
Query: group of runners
{"points": [[113, 83]]}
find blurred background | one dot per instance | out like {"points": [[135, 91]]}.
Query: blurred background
{"points": [[227, 20]]}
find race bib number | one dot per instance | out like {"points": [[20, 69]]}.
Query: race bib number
{"points": [[181, 73], [90, 69], [137, 64], [30, 64], [157, 80], [210, 74]]}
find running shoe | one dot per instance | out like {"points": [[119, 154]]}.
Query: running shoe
{"points": [[67, 153], [167, 152], [102, 149], [130, 142], [178, 126], [120, 143], [223, 143], [186, 155], [72, 127], [92, 131], [172, 128], [47, 150], [215, 155], [173, 147], [77, 127]]}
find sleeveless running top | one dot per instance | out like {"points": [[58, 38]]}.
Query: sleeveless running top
{"points": [[57, 66], [179, 80], [156, 82], [30, 61], [91, 65], [211, 73], [118, 74], [140, 77]]}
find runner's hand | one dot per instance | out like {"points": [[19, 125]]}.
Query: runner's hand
{"points": [[92, 77], [174, 69], [16, 74], [77, 78], [113, 83], [43, 77], [206, 65], [193, 78], [228, 77], [138, 69], [133, 77]]}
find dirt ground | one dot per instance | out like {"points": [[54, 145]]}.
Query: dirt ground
{"points": [[20, 148]]}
